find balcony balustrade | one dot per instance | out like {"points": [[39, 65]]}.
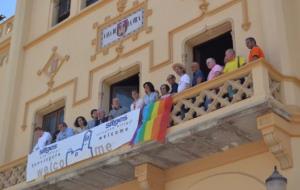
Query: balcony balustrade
{"points": [[207, 119]]}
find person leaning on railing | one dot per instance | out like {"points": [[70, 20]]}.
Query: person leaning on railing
{"points": [[102, 116], [150, 94], [255, 51], [171, 79], [138, 103], [197, 75], [94, 121], [165, 91], [215, 69], [44, 138], [185, 80], [232, 63], [64, 132], [80, 124], [116, 109]]}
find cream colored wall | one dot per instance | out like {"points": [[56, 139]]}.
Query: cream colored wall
{"points": [[169, 18], [280, 26], [247, 174]]}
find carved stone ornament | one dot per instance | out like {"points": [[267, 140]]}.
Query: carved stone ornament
{"points": [[52, 67], [277, 136], [204, 6], [128, 24]]}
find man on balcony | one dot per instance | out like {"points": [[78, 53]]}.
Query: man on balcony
{"points": [[95, 120], [44, 138], [215, 69], [198, 76], [255, 51], [64, 132], [232, 62], [117, 110], [172, 81]]}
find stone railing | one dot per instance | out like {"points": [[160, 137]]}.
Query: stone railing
{"points": [[255, 83], [13, 173], [6, 29], [201, 101]]}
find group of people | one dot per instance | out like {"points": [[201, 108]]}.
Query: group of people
{"points": [[98, 116]]}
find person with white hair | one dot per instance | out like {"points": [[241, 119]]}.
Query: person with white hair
{"points": [[215, 69]]}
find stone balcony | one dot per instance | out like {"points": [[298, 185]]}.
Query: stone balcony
{"points": [[198, 130], [6, 29]]}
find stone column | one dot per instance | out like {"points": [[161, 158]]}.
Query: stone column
{"points": [[13, 79]]}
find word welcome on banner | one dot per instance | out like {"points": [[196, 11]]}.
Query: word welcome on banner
{"points": [[97, 141], [122, 28]]}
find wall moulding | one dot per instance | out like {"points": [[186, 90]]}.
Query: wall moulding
{"points": [[123, 54], [53, 65]]}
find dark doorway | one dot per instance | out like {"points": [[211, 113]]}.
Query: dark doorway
{"points": [[122, 90], [215, 48], [51, 121]]}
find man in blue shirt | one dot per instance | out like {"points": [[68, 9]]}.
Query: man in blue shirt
{"points": [[95, 120], [172, 81], [64, 132], [198, 76], [117, 110]]}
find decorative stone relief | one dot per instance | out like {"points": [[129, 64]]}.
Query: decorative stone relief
{"points": [[278, 140], [116, 30], [53, 65]]}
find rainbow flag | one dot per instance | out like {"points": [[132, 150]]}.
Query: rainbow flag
{"points": [[154, 122]]}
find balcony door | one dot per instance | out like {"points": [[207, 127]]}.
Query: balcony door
{"points": [[51, 120], [123, 88], [215, 48]]}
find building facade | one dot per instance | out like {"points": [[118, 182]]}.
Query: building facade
{"points": [[59, 59]]}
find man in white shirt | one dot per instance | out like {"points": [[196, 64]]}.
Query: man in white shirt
{"points": [[45, 139], [184, 81]]}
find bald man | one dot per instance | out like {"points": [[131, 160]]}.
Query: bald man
{"points": [[232, 62]]}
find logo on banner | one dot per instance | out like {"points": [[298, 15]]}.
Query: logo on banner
{"points": [[84, 152]]}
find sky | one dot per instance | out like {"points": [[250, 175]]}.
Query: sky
{"points": [[7, 7]]}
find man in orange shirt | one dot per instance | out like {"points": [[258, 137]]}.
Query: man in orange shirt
{"points": [[255, 51]]}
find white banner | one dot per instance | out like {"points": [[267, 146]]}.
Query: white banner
{"points": [[94, 142], [122, 28]]}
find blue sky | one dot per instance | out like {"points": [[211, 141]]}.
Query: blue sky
{"points": [[7, 7]]}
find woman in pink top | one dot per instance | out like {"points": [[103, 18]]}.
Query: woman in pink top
{"points": [[215, 69]]}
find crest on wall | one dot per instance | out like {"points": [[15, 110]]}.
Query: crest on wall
{"points": [[128, 24], [53, 65]]}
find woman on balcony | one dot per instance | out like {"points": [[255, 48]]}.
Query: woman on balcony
{"points": [[80, 124], [150, 94], [138, 102], [184, 81]]}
